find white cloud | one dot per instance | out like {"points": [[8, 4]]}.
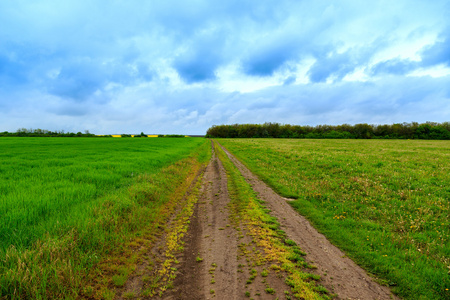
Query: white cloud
{"points": [[130, 66]]}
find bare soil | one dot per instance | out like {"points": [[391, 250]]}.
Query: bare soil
{"points": [[215, 263], [210, 244]]}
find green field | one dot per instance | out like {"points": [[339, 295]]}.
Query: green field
{"points": [[69, 208], [385, 203], [66, 203]]}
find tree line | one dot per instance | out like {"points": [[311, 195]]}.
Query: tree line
{"points": [[413, 130], [23, 132]]}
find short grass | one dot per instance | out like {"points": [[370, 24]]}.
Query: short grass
{"points": [[66, 204], [386, 203]]}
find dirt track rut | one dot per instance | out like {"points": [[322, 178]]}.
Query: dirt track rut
{"points": [[211, 245], [210, 266]]}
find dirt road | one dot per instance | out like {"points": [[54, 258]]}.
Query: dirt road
{"points": [[217, 261]]}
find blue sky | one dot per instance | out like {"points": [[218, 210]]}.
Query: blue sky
{"points": [[183, 66]]}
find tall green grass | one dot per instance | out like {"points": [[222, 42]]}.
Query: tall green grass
{"points": [[386, 203], [64, 203]]}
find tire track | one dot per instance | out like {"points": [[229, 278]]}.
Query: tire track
{"points": [[210, 265]]}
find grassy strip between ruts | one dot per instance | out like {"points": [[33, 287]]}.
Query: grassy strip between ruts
{"points": [[386, 203], [96, 257], [279, 254]]}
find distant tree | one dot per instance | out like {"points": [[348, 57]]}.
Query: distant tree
{"points": [[414, 130], [23, 132]]}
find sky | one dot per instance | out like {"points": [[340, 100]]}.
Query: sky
{"points": [[179, 67]]}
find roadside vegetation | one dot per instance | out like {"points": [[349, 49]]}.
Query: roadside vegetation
{"points": [[74, 212], [268, 252], [414, 130], [385, 203]]}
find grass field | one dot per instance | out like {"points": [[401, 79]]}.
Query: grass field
{"points": [[386, 203], [65, 204]]}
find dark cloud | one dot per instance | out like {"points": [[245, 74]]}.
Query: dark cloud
{"points": [[81, 78], [202, 56], [269, 53], [266, 61], [78, 80], [439, 53], [395, 66], [198, 67]]}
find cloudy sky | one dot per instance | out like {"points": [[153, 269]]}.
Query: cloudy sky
{"points": [[181, 66]]}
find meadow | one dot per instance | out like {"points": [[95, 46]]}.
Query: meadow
{"points": [[386, 203], [66, 204]]}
